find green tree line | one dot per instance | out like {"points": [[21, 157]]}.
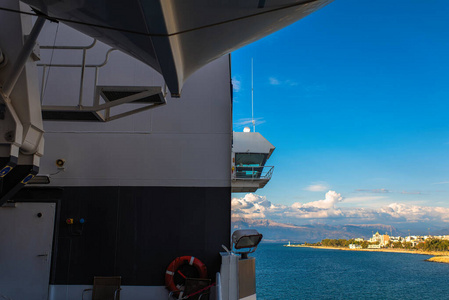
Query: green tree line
{"points": [[343, 243], [434, 245], [428, 245]]}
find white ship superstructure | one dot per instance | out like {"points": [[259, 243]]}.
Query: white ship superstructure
{"points": [[250, 152]]}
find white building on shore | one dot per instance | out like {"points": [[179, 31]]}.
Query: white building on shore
{"points": [[381, 239]]}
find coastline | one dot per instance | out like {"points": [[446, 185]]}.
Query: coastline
{"points": [[439, 259], [439, 256]]}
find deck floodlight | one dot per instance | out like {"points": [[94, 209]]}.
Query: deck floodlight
{"points": [[247, 239]]}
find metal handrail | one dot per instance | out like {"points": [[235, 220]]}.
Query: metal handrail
{"points": [[80, 65], [70, 47], [253, 172], [83, 66]]}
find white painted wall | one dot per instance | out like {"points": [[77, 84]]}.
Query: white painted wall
{"points": [[184, 143]]}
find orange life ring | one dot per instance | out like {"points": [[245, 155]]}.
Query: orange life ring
{"points": [[181, 268]]}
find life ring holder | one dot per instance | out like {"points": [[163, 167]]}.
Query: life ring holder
{"points": [[173, 269]]}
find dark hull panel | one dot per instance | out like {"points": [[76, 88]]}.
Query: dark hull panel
{"points": [[134, 232]]}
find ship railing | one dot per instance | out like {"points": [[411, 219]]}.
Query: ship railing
{"points": [[148, 97], [83, 66], [253, 172]]}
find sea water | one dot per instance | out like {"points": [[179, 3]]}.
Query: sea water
{"points": [[307, 273]]}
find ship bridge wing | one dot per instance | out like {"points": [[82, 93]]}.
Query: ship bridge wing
{"points": [[176, 38], [250, 152]]}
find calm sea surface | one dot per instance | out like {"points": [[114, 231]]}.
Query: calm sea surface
{"points": [[306, 273]]}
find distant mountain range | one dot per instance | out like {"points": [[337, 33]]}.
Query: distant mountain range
{"points": [[280, 232]]}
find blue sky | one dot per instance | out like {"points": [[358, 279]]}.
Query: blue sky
{"points": [[355, 97]]}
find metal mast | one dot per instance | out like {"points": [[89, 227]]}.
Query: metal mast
{"points": [[252, 97]]}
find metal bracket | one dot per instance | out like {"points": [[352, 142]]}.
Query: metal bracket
{"points": [[112, 96]]}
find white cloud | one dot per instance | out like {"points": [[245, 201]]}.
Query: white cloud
{"points": [[318, 187], [415, 213], [411, 193], [236, 84], [274, 81], [291, 82], [254, 206], [331, 199], [248, 121], [251, 206], [318, 209], [374, 191], [385, 191], [365, 199]]}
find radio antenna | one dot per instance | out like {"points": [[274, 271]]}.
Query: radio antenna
{"points": [[252, 96]]}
